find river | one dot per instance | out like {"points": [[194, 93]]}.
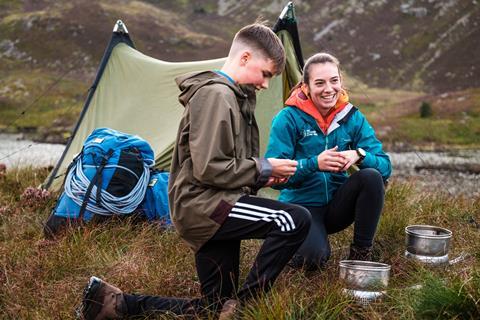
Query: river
{"points": [[15, 152]]}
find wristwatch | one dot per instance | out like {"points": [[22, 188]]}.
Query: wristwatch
{"points": [[362, 154]]}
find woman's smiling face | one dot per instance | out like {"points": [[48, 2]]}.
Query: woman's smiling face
{"points": [[324, 85]]}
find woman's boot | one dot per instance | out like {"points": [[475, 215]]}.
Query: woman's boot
{"points": [[360, 253]]}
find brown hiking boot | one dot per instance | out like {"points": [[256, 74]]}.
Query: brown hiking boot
{"points": [[360, 253], [229, 310], [102, 301]]}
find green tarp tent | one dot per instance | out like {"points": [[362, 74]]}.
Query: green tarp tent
{"points": [[137, 94]]}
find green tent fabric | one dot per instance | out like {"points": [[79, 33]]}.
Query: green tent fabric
{"points": [[137, 94]]}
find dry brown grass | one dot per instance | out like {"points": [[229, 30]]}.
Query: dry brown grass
{"points": [[44, 280]]}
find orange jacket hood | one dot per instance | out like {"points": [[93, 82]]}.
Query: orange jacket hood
{"points": [[299, 98]]}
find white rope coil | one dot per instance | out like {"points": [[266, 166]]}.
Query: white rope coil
{"points": [[76, 185]]}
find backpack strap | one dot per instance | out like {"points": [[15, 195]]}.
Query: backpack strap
{"points": [[100, 176], [96, 180]]}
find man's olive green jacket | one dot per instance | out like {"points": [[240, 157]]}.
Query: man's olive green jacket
{"points": [[215, 159]]}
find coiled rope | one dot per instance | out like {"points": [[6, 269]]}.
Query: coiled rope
{"points": [[76, 184]]}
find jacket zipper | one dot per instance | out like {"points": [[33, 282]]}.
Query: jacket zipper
{"points": [[324, 175], [249, 130]]}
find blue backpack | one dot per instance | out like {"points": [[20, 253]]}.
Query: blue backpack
{"points": [[109, 176], [155, 204]]}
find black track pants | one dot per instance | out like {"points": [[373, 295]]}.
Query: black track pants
{"points": [[284, 228], [360, 201]]}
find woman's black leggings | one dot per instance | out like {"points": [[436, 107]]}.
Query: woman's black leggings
{"points": [[360, 201]]}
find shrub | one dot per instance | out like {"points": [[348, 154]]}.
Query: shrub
{"points": [[425, 110]]}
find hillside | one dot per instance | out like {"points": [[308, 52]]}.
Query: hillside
{"points": [[400, 44], [49, 50]]}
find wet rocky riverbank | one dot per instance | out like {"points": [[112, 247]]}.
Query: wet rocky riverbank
{"points": [[450, 172]]}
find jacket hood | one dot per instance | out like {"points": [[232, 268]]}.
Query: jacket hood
{"points": [[189, 84], [299, 99]]}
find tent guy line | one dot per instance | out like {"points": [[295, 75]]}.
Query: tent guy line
{"points": [[41, 95], [6, 156]]}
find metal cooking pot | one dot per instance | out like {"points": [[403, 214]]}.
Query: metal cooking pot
{"points": [[364, 280], [427, 243], [364, 275]]}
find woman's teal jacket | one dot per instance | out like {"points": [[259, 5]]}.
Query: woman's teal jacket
{"points": [[296, 135]]}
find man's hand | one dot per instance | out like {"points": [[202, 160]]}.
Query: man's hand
{"points": [[283, 168], [332, 160], [273, 181]]}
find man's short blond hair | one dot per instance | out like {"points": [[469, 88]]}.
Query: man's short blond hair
{"points": [[261, 38]]}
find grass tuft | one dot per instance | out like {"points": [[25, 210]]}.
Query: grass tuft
{"points": [[454, 299]]}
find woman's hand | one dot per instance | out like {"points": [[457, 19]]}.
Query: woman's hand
{"points": [[332, 160], [283, 168], [352, 157]]}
